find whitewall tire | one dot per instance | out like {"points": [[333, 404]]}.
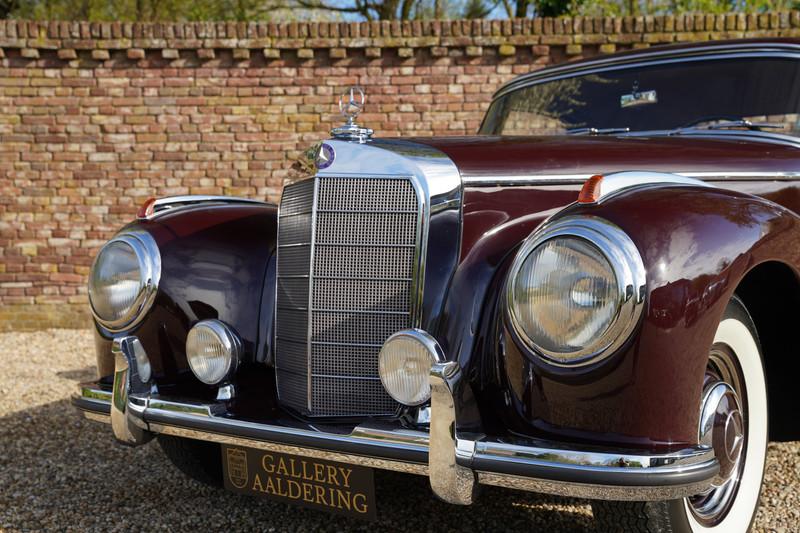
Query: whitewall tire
{"points": [[730, 506]]}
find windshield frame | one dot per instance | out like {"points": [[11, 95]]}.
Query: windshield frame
{"points": [[789, 49]]}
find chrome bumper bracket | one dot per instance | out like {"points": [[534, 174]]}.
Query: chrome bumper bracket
{"points": [[129, 395], [450, 481]]}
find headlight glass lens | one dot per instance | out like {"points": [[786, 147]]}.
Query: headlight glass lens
{"points": [[565, 296], [211, 351], [116, 281], [404, 364]]}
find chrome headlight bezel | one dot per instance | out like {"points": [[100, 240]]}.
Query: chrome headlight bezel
{"points": [[626, 262], [149, 259]]}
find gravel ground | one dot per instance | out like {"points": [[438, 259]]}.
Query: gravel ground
{"points": [[60, 471]]}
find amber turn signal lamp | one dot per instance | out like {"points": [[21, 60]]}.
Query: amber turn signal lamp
{"points": [[147, 209], [590, 192]]}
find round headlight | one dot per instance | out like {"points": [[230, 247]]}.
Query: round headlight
{"points": [[404, 364], [124, 279], [575, 290], [212, 350]]}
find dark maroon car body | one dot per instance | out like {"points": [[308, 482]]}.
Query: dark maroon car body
{"points": [[230, 249], [699, 245]]}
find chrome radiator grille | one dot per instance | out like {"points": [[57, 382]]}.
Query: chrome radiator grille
{"points": [[347, 251]]}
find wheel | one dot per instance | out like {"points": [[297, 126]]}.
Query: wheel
{"points": [[734, 405], [200, 460]]}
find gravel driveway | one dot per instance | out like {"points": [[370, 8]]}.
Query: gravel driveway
{"points": [[60, 471]]}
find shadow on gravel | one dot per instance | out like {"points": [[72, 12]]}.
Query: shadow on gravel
{"points": [[60, 471], [79, 374]]}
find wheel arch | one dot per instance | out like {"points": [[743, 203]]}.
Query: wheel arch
{"points": [[759, 290]]}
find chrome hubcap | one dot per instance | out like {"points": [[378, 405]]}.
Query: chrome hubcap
{"points": [[723, 428]]}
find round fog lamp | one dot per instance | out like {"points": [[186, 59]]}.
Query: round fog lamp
{"points": [[212, 350], [404, 363]]}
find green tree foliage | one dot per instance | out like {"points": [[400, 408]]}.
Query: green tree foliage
{"points": [[666, 7], [158, 10], [7, 7], [517, 8]]}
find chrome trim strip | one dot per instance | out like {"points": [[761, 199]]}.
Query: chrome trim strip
{"points": [[310, 318], [170, 203], [391, 447], [358, 245], [591, 492], [361, 312], [149, 257], [719, 134], [368, 212], [745, 175], [357, 345], [348, 376], [371, 462], [199, 198], [561, 179], [356, 278], [619, 182], [749, 135], [609, 462], [525, 179]]}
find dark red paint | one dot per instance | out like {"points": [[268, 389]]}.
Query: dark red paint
{"points": [[214, 261], [697, 245], [631, 399], [487, 157]]}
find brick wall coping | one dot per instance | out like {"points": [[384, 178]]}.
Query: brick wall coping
{"points": [[34, 36]]}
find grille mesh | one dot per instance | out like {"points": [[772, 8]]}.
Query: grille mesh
{"points": [[363, 234]]}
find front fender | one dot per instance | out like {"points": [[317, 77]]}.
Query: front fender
{"points": [[697, 244], [215, 262]]}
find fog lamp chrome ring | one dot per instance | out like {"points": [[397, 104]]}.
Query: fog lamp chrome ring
{"points": [[213, 351], [404, 363]]}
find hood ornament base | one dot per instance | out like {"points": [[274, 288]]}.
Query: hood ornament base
{"points": [[351, 103]]}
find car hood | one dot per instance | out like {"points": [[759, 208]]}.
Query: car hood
{"points": [[480, 159]]}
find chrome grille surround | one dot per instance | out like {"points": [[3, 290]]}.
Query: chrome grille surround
{"points": [[349, 275]]}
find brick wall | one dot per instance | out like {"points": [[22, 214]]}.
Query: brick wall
{"points": [[95, 118]]}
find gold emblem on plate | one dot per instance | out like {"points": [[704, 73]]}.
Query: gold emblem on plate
{"points": [[237, 467]]}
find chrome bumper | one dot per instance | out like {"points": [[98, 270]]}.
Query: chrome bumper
{"points": [[455, 461]]}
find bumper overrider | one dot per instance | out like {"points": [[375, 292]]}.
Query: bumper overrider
{"points": [[455, 461]]}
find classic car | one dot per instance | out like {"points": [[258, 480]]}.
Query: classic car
{"points": [[594, 296]]}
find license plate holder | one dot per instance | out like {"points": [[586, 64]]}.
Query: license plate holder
{"points": [[314, 483]]}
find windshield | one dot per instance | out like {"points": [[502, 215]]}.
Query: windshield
{"points": [[720, 93]]}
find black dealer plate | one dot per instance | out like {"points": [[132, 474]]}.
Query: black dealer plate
{"points": [[314, 483]]}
